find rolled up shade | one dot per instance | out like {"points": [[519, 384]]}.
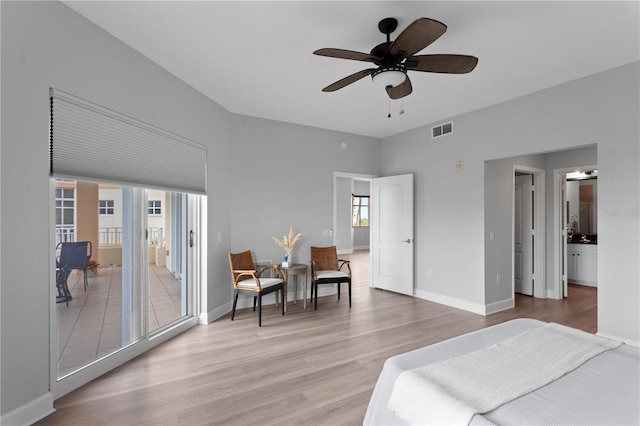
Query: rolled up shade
{"points": [[90, 141]]}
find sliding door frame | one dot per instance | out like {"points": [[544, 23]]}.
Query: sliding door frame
{"points": [[195, 274]]}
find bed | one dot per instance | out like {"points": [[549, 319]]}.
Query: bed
{"points": [[605, 389]]}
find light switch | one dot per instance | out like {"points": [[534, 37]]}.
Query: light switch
{"points": [[459, 166]]}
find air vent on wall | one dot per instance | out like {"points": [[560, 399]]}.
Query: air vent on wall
{"points": [[441, 130]]}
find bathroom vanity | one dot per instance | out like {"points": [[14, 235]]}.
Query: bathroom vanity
{"points": [[582, 260]]}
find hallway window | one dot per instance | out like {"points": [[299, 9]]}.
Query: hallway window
{"points": [[360, 210]]}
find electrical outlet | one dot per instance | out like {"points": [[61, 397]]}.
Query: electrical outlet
{"points": [[428, 272], [498, 279]]}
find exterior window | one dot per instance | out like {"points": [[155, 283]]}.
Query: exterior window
{"points": [[105, 207], [65, 210], [155, 207], [360, 210]]}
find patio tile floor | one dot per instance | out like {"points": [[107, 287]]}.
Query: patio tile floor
{"points": [[91, 326]]}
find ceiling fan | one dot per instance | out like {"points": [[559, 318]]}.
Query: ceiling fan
{"points": [[395, 58]]}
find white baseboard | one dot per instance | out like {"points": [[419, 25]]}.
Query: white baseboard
{"points": [[552, 294], [502, 305], [211, 316], [31, 412], [465, 305]]}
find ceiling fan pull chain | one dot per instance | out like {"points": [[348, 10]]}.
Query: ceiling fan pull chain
{"points": [[389, 116]]}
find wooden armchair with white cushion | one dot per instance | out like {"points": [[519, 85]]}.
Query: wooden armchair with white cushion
{"points": [[247, 280], [326, 268]]}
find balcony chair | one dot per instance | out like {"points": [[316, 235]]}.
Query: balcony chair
{"points": [[247, 280], [74, 256], [63, 294], [326, 268]]}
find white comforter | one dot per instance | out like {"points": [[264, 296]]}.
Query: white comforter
{"points": [[604, 390], [454, 390]]}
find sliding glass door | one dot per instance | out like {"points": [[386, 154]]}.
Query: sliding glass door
{"points": [[134, 285], [112, 177], [167, 229]]}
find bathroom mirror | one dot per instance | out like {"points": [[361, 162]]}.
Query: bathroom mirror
{"points": [[582, 199]]}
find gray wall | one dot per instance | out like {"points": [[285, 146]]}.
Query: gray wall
{"points": [[450, 206], [283, 176]]}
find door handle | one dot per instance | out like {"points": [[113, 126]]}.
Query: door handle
{"points": [[191, 238], [408, 241]]}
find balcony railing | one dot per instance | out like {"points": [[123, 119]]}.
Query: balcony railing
{"points": [[108, 236], [65, 234]]}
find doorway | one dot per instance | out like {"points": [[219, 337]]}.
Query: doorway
{"points": [[575, 228], [528, 225], [523, 237], [345, 184], [391, 256]]}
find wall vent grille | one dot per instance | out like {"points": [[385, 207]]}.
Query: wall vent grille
{"points": [[441, 130]]}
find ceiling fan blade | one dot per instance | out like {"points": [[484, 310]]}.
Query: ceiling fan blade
{"points": [[401, 90], [442, 63], [348, 80], [346, 54], [421, 33]]}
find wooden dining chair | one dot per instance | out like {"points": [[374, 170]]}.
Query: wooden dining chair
{"points": [[326, 268], [247, 280]]}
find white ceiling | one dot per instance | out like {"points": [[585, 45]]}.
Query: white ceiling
{"points": [[255, 58]]}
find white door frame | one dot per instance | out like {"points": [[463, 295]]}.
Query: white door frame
{"points": [[559, 231], [539, 262]]}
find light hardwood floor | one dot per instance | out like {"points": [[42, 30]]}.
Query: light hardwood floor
{"points": [[307, 367]]}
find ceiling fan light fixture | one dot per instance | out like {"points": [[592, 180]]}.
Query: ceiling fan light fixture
{"points": [[389, 76]]}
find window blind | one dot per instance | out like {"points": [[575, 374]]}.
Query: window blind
{"points": [[90, 141]]}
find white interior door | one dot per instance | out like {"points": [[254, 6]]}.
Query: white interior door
{"points": [[522, 235], [392, 237]]}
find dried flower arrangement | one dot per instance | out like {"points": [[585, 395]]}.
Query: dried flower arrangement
{"points": [[288, 242]]}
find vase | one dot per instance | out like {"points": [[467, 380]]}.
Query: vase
{"points": [[287, 260]]}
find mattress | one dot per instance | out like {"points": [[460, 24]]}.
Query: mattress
{"points": [[604, 390]]}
